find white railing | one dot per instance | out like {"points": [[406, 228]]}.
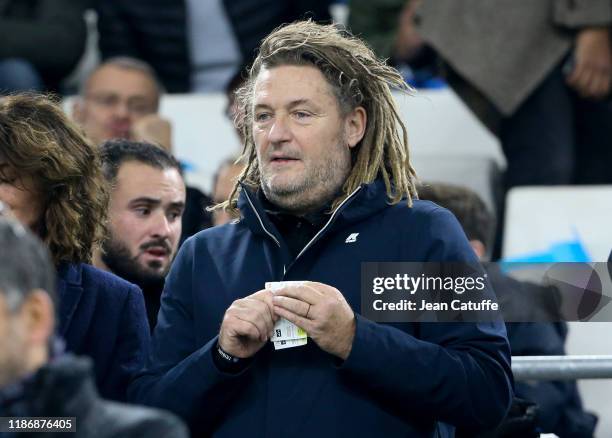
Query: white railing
{"points": [[561, 367]]}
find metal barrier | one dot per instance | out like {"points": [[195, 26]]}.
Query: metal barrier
{"points": [[561, 367]]}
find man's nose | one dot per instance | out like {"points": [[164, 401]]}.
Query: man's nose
{"points": [[280, 131], [160, 226], [121, 109]]}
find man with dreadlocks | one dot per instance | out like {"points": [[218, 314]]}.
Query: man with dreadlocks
{"points": [[327, 184]]}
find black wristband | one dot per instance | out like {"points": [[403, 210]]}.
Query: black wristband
{"points": [[228, 363], [226, 356]]}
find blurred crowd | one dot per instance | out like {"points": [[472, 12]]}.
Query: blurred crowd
{"points": [[102, 189]]}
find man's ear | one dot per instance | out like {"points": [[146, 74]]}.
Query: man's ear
{"points": [[355, 125], [38, 315]]}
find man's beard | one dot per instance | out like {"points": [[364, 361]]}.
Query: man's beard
{"points": [[118, 259], [318, 185]]}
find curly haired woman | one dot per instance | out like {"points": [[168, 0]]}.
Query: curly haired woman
{"points": [[51, 180]]}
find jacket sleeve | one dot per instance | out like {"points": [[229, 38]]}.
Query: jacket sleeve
{"points": [[131, 349], [458, 373], [53, 40], [582, 13], [180, 376]]}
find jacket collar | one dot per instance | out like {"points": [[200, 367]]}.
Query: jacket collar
{"points": [[69, 290], [364, 202], [62, 387], [254, 214]]}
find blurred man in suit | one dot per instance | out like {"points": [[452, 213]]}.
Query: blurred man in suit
{"points": [[36, 378]]}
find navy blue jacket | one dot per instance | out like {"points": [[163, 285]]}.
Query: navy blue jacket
{"points": [[399, 379], [103, 317]]}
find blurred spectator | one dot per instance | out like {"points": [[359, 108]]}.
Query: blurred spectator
{"points": [[120, 99], [146, 204], [535, 72], [559, 404], [389, 27], [223, 185], [42, 41], [196, 45], [51, 180], [36, 380]]}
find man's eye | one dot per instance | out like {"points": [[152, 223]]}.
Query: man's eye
{"points": [[106, 100], [175, 215], [143, 211], [301, 115], [141, 109], [262, 117]]}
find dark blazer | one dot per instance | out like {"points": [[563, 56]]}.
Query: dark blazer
{"points": [[156, 32], [64, 387], [103, 317]]}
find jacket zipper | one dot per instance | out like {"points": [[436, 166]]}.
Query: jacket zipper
{"points": [[309, 244], [260, 221]]}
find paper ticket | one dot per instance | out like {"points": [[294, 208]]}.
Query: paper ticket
{"points": [[286, 334], [279, 345], [285, 331]]}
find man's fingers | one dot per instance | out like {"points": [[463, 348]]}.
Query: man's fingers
{"points": [[241, 327], [256, 313], [264, 310], [265, 296], [590, 80], [261, 294], [606, 86], [306, 293], [291, 304], [298, 320], [583, 82], [601, 84]]}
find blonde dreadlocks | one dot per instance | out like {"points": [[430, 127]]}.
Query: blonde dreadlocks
{"points": [[357, 78]]}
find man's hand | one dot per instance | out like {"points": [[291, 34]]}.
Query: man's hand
{"points": [[593, 69], [247, 325], [153, 129], [322, 311]]}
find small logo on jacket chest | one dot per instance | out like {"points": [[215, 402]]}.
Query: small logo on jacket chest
{"points": [[351, 238]]}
